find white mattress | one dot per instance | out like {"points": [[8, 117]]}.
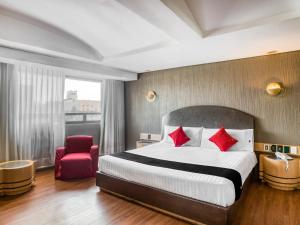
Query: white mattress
{"points": [[208, 188]]}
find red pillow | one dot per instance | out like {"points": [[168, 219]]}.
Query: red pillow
{"points": [[179, 137], [223, 140]]}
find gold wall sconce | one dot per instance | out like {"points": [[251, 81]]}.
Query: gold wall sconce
{"points": [[274, 88], [151, 96]]}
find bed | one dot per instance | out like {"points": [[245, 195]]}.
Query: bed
{"points": [[195, 197]]}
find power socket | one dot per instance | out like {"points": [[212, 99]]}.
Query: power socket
{"points": [[279, 148], [273, 148], [267, 147]]}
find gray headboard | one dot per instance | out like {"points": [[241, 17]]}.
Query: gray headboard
{"points": [[209, 116]]}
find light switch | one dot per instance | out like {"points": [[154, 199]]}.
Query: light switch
{"points": [[287, 149], [294, 150]]}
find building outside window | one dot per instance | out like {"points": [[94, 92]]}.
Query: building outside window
{"points": [[82, 101]]}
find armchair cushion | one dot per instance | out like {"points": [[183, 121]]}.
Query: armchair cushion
{"points": [[79, 143], [82, 156], [76, 165]]}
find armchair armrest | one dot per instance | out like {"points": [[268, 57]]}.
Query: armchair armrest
{"points": [[95, 157], [60, 152]]}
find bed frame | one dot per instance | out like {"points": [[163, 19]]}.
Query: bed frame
{"points": [[191, 210]]}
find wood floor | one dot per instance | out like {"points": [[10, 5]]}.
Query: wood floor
{"points": [[81, 202]]}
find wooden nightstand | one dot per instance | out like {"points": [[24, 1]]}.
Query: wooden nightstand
{"points": [[143, 143], [273, 172]]}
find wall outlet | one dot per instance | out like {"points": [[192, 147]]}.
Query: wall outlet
{"points": [[273, 148], [279, 148], [294, 150], [267, 147]]}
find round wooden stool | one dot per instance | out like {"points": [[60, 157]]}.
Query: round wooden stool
{"points": [[276, 175], [16, 177]]}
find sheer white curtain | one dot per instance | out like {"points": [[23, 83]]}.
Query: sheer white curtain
{"points": [[113, 117], [35, 113], [7, 149]]}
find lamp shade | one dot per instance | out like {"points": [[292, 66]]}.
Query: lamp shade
{"points": [[274, 88], [151, 96]]}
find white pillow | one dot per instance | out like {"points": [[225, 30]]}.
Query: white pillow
{"points": [[194, 133], [244, 137]]}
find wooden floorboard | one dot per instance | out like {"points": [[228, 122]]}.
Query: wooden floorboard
{"points": [[80, 202]]}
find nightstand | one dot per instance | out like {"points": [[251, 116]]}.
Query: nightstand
{"points": [[16, 177], [143, 143], [273, 172]]}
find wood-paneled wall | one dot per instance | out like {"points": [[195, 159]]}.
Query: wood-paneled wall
{"points": [[238, 84]]}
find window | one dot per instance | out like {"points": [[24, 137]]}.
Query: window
{"points": [[82, 100]]}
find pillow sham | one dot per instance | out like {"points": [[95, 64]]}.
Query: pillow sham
{"points": [[194, 133], [244, 137]]}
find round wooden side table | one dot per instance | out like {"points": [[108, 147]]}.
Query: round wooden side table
{"points": [[16, 177], [276, 175]]}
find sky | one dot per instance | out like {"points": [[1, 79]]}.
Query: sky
{"points": [[86, 90]]}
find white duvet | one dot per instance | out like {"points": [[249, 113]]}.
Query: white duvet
{"points": [[208, 188]]}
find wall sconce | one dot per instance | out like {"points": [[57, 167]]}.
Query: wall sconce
{"points": [[151, 96], [274, 88]]}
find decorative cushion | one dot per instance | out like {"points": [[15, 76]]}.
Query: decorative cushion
{"points": [[245, 138], [223, 140], [179, 137], [194, 133]]}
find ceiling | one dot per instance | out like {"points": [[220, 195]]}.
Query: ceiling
{"points": [[147, 35]]}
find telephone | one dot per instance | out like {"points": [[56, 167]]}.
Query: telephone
{"points": [[285, 158]]}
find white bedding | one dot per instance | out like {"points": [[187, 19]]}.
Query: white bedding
{"points": [[208, 188]]}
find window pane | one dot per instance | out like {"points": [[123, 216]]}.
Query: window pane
{"points": [[73, 118], [82, 96], [93, 117]]}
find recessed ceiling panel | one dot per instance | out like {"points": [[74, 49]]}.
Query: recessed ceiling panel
{"points": [[106, 25], [29, 35], [257, 41], [214, 15]]}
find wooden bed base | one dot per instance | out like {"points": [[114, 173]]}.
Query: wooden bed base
{"points": [[188, 209]]}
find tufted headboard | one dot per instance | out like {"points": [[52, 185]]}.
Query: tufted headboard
{"points": [[208, 116]]}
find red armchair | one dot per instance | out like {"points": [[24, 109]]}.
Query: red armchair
{"points": [[78, 159]]}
